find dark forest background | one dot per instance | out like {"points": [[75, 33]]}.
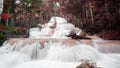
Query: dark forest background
{"points": [[95, 17]]}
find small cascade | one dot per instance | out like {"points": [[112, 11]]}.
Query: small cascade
{"points": [[4, 44], [75, 53], [18, 46], [54, 51], [61, 53], [35, 50], [107, 47], [12, 47], [53, 55], [31, 50], [4, 48], [25, 49]]}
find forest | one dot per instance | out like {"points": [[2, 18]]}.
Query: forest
{"points": [[95, 17]]}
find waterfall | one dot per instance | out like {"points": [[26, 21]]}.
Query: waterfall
{"points": [[53, 55], [34, 50], [54, 51], [108, 46], [31, 50], [75, 53]]}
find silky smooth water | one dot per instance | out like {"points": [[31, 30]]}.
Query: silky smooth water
{"points": [[107, 47], [53, 55]]}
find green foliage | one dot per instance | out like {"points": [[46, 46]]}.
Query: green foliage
{"points": [[8, 28], [1, 36], [37, 3]]}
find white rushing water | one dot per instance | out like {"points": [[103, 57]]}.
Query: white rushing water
{"points": [[62, 28], [107, 46], [53, 55]]}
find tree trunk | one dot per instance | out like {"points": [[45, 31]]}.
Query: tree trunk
{"points": [[1, 6]]}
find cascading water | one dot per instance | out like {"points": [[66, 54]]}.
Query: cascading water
{"points": [[107, 46], [75, 53], [31, 50], [53, 55]]}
